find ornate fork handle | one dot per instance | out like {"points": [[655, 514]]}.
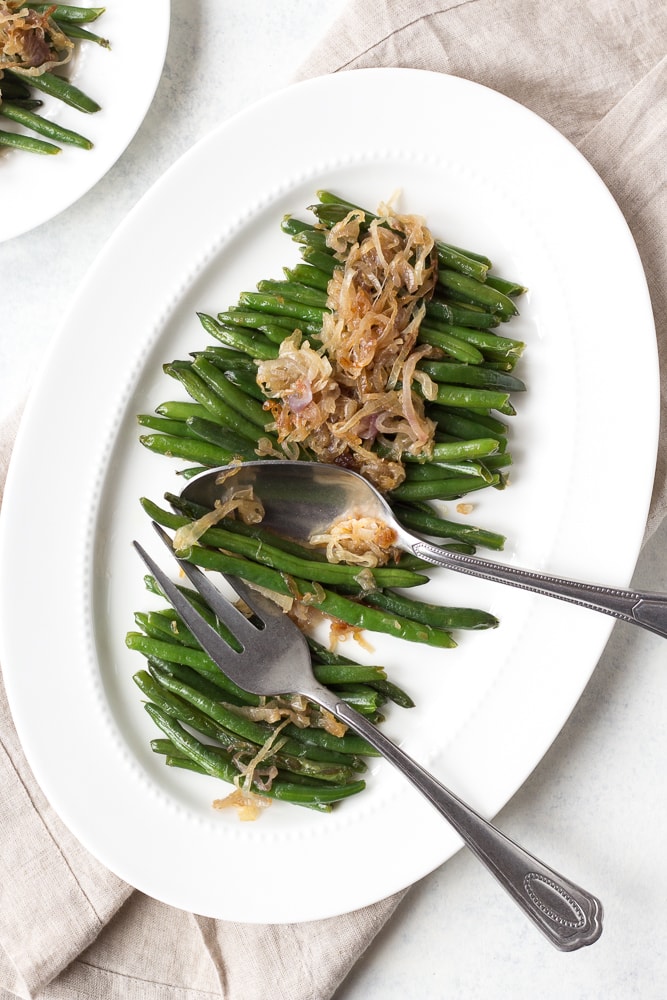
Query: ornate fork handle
{"points": [[638, 607], [568, 915]]}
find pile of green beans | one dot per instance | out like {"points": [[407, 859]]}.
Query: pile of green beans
{"points": [[19, 104], [223, 420], [196, 708], [472, 365]]}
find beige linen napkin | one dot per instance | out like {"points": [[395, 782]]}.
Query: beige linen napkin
{"points": [[596, 70]]}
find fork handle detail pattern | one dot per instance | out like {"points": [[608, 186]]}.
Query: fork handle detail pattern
{"points": [[568, 915], [637, 607]]}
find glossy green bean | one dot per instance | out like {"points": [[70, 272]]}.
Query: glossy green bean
{"points": [[28, 143], [353, 613], [432, 614], [238, 733], [214, 764], [36, 123], [442, 489], [260, 550], [63, 90], [428, 523], [254, 346], [68, 12], [249, 409]]}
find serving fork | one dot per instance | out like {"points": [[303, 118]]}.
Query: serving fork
{"points": [[275, 659]]}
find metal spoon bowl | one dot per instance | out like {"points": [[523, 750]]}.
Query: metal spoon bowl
{"points": [[303, 499]]}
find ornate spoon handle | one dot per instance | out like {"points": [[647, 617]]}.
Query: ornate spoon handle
{"points": [[638, 607]]}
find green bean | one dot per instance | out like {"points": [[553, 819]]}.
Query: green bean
{"points": [[343, 754], [292, 226], [292, 291], [433, 614], [44, 127], [222, 437], [321, 741], [246, 381], [238, 400], [466, 262], [449, 256], [13, 88], [202, 607], [178, 410], [452, 395], [482, 258], [60, 88], [437, 471], [228, 357], [471, 375], [219, 410], [189, 449], [68, 12], [318, 572], [276, 306], [175, 758], [28, 143], [27, 103], [499, 461], [491, 344], [511, 288], [365, 699], [214, 765], [454, 314], [477, 293], [325, 262], [196, 658], [442, 489], [258, 320], [310, 236], [322, 654], [326, 673], [73, 30], [179, 709], [468, 423], [193, 511], [258, 732], [230, 336], [160, 625], [163, 425], [452, 451], [261, 551], [236, 732], [306, 274], [334, 605], [428, 523], [214, 687], [454, 346]]}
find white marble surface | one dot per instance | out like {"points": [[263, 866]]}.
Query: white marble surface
{"points": [[595, 808]]}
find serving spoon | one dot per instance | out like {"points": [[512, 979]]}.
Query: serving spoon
{"points": [[303, 499]]}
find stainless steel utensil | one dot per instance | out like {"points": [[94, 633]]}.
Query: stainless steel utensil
{"points": [[275, 659], [302, 499]]}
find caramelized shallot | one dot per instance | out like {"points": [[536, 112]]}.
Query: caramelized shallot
{"points": [[353, 400]]}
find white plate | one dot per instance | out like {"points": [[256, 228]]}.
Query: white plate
{"points": [[488, 175], [123, 80]]}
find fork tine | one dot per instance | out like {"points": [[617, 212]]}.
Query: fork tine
{"points": [[221, 607], [263, 607], [211, 641]]}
